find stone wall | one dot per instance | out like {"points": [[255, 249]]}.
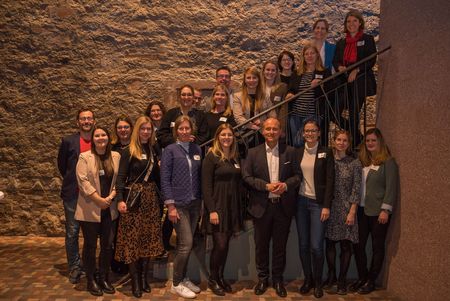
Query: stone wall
{"points": [[113, 56]]}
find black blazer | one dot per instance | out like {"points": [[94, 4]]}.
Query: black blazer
{"points": [[365, 47], [323, 175], [68, 154], [255, 173]]}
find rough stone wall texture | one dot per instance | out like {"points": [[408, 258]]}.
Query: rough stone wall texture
{"points": [[414, 117], [113, 56]]}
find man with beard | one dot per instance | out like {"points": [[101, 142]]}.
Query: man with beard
{"points": [[69, 150]]}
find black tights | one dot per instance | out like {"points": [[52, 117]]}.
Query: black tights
{"points": [[219, 254], [345, 257]]}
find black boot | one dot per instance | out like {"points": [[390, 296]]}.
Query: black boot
{"points": [[330, 282], [105, 284], [135, 279], [144, 275], [214, 286], [318, 267], [93, 287], [222, 282], [308, 284]]}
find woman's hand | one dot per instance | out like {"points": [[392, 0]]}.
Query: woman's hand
{"points": [[350, 219], [325, 214], [383, 218], [341, 68], [315, 82], [192, 138], [122, 207], [173, 214], [214, 218], [352, 75], [112, 195], [104, 203], [253, 126]]}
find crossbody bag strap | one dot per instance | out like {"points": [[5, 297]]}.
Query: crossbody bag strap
{"points": [[150, 164]]}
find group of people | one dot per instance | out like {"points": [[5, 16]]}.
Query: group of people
{"points": [[116, 185]]}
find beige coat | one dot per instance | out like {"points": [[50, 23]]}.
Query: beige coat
{"points": [[89, 182], [240, 116]]}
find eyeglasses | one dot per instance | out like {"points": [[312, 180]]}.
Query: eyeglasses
{"points": [[311, 131], [85, 118], [123, 127], [226, 76]]}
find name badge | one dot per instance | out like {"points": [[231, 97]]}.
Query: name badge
{"points": [[172, 124], [375, 167], [321, 155], [196, 157], [318, 76], [277, 99], [223, 119], [236, 165], [101, 172], [144, 156], [360, 43]]}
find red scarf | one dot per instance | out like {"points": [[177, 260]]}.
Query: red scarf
{"points": [[350, 51]]}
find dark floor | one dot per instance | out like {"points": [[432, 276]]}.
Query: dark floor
{"points": [[34, 268]]}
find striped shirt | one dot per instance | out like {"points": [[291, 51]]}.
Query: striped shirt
{"points": [[305, 104]]}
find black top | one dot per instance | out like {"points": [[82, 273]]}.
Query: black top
{"points": [[130, 168], [118, 147], [222, 190], [214, 120], [105, 180], [165, 135]]}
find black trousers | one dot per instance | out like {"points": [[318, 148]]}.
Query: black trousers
{"points": [[370, 225], [91, 230], [273, 225]]}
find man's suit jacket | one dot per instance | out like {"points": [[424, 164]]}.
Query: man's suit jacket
{"points": [[68, 154], [256, 174], [381, 188], [89, 182], [323, 175]]}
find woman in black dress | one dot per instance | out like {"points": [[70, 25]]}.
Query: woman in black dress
{"points": [[123, 126], [221, 182], [220, 110], [139, 235]]}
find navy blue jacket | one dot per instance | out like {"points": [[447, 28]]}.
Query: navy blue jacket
{"points": [[68, 154]]}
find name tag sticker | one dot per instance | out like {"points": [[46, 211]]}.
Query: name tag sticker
{"points": [[318, 76], [172, 124], [277, 98], [360, 43], [101, 172], [144, 156], [375, 167], [236, 165], [321, 155], [223, 119], [196, 157]]}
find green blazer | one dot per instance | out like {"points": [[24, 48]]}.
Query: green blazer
{"points": [[381, 188]]}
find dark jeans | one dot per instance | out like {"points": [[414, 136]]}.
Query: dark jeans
{"points": [[184, 228], [91, 230], [72, 232], [273, 225], [370, 225], [311, 233]]}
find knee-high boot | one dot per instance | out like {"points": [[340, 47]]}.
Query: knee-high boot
{"points": [[144, 275], [135, 279]]}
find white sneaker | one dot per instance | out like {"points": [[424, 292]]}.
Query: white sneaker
{"points": [[182, 291], [188, 283]]}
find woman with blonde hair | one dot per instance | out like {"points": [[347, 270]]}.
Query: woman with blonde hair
{"points": [[311, 102], [139, 235], [250, 101], [221, 186], [379, 192], [221, 111]]}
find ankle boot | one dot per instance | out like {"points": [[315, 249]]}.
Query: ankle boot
{"points": [[308, 284], [222, 282], [105, 284], [214, 286], [93, 287], [330, 282], [135, 279], [144, 275]]}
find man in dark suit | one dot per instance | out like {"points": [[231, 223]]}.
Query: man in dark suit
{"points": [[69, 150], [272, 171]]}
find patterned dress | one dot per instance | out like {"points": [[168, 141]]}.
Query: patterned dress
{"points": [[347, 191]]}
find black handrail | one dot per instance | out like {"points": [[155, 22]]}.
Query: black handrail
{"points": [[332, 77]]}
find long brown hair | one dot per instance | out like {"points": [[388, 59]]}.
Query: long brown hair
{"points": [[366, 157], [259, 97], [216, 148], [108, 164], [114, 136], [318, 65], [135, 142], [221, 87]]}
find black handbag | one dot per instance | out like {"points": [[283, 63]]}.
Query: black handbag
{"points": [[133, 191]]}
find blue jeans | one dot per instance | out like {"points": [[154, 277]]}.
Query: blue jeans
{"points": [[311, 233], [72, 233], [295, 130], [185, 229]]}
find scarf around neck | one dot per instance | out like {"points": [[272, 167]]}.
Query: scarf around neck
{"points": [[350, 51]]}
